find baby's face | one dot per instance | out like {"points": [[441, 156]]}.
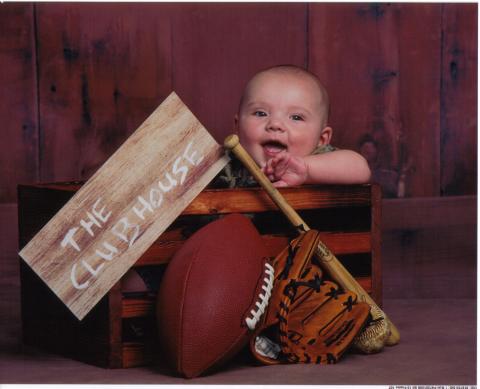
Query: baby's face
{"points": [[281, 111]]}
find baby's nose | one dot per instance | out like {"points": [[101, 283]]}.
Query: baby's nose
{"points": [[275, 124]]}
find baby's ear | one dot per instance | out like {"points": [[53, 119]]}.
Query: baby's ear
{"points": [[325, 136], [235, 123]]}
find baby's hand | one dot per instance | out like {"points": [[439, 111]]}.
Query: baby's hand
{"points": [[286, 170]]}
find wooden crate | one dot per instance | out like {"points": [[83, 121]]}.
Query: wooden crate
{"points": [[347, 216]]}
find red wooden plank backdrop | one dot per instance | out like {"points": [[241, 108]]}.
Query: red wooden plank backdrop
{"points": [[18, 100], [383, 75], [420, 46], [218, 47], [458, 131], [103, 69], [402, 75]]}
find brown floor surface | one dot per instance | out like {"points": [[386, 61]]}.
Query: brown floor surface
{"points": [[438, 345]]}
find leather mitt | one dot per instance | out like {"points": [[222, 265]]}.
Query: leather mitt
{"points": [[309, 319]]}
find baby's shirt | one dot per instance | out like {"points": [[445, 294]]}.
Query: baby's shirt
{"points": [[324, 149], [235, 175]]}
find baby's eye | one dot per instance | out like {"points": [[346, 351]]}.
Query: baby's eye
{"points": [[297, 117], [260, 113]]}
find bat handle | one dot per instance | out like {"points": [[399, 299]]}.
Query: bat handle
{"points": [[232, 143]]}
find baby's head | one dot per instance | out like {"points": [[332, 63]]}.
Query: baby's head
{"points": [[283, 108]]}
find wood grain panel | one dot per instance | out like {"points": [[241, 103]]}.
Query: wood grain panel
{"points": [[419, 37], [138, 307], [361, 76], [135, 354], [218, 47], [103, 69], [255, 200], [213, 201], [384, 87], [351, 68], [459, 99], [114, 327], [407, 80], [18, 94]]}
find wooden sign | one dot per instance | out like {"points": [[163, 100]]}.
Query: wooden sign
{"points": [[123, 208]]}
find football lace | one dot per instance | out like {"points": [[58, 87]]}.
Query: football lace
{"points": [[263, 298]]}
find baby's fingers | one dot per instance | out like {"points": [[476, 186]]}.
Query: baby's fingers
{"points": [[269, 167], [280, 164], [268, 170], [280, 184]]}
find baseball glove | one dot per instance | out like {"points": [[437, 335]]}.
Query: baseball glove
{"points": [[309, 320]]}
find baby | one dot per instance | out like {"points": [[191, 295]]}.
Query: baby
{"points": [[282, 123]]}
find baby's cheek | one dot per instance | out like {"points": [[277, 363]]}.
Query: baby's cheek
{"points": [[247, 138], [302, 145], [256, 152], [302, 150]]}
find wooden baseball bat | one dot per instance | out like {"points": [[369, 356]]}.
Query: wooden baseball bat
{"points": [[331, 264]]}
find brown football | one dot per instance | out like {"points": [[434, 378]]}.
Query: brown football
{"points": [[213, 294]]}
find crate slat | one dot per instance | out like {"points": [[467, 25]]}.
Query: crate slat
{"points": [[162, 251], [138, 307], [135, 354], [252, 200]]}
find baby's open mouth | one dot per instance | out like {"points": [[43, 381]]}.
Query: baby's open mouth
{"points": [[273, 147]]}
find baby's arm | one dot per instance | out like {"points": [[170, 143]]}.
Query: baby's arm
{"points": [[336, 167]]}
